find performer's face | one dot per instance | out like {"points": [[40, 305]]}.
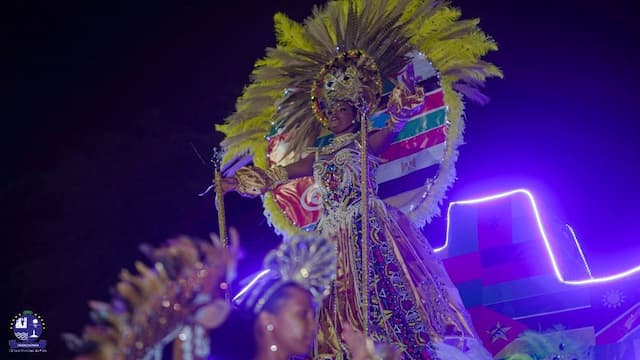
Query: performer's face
{"points": [[294, 324], [341, 118]]}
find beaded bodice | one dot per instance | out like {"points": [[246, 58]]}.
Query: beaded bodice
{"points": [[338, 176]]}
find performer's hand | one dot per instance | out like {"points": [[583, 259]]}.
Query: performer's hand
{"points": [[234, 241], [361, 347], [356, 342], [409, 78], [407, 98]]}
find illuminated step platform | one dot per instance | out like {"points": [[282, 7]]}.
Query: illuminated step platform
{"points": [[527, 283]]}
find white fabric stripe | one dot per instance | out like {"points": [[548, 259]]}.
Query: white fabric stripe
{"points": [[408, 164]]}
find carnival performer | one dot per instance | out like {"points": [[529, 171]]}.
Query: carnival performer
{"points": [[331, 69], [274, 317], [412, 300]]}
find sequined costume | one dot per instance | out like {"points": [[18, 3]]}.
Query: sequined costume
{"points": [[412, 302]]}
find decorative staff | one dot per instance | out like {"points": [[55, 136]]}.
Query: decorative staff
{"points": [[216, 160], [364, 178]]}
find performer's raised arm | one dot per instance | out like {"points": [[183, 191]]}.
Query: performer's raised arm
{"points": [[406, 101]]}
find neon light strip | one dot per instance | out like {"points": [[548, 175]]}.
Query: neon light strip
{"points": [[590, 280], [253, 281]]}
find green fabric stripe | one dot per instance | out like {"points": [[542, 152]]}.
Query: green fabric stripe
{"points": [[414, 127], [422, 124]]}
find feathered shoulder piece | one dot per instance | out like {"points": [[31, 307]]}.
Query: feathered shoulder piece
{"points": [[184, 285]]}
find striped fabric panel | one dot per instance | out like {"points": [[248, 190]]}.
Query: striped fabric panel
{"points": [[513, 271], [514, 261], [435, 101], [408, 182], [431, 117], [424, 138], [407, 164]]}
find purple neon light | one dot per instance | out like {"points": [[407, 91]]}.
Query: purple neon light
{"points": [[253, 281], [552, 258]]}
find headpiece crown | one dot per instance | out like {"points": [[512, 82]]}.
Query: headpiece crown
{"points": [[306, 259], [352, 76]]}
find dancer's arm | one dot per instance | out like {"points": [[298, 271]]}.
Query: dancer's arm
{"points": [[300, 168], [406, 101], [379, 140], [402, 106], [251, 181]]}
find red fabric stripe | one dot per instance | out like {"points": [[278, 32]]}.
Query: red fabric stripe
{"points": [[435, 100], [416, 143]]}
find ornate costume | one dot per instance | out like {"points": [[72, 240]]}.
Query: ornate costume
{"points": [[413, 304], [346, 52]]}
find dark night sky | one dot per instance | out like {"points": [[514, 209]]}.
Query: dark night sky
{"points": [[108, 98]]}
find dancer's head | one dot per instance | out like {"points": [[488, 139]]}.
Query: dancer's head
{"points": [[351, 77], [287, 322], [343, 118]]}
